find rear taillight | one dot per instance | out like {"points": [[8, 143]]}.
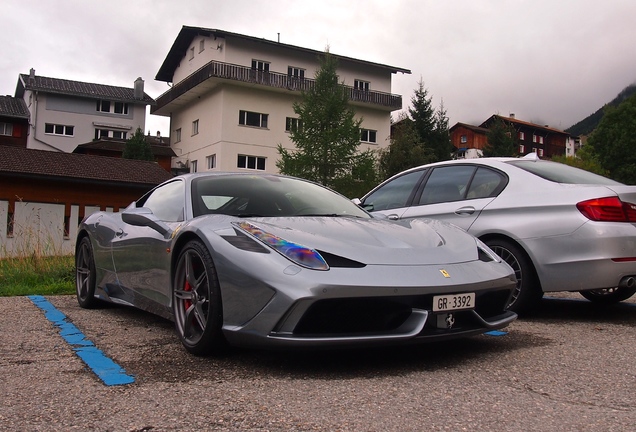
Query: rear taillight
{"points": [[610, 209]]}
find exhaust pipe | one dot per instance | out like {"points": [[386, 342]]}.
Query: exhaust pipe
{"points": [[627, 282]]}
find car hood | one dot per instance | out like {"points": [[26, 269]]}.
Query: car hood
{"points": [[376, 241]]}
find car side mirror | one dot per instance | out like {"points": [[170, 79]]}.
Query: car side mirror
{"points": [[143, 216]]}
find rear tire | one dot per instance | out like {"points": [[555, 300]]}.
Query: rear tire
{"points": [[527, 293], [196, 303], [85, 275], [609, 296]]}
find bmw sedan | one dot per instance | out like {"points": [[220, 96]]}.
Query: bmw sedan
{"points": [[272, 261], [560, 228]]}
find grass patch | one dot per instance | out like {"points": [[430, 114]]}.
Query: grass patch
{"points": [[37, 275]]}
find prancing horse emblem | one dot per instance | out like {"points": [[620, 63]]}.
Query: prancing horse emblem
{"points": [[450, 321], [445, 273]]}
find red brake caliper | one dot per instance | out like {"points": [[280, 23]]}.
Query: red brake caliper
{"points": [[187, 287]]}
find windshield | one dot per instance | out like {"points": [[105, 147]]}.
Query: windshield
{"points": [[561, 173], [267, 196]]}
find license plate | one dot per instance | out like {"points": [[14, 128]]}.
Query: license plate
{"points": [[453, 302]]}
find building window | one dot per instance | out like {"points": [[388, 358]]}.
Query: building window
{"points": [[251, 162], [191, 53], [211, 161], [463, 139], [53, 129], [293, 124], [534, 149], [295, 72], [361, 85], [105, 133], [177, 135], [522, 149], [367, 135], [540, 152], [540, 140], [193, 166], [6, 129], [121, 108], [201, 45], [534, 138], [260, 65], [248, 118], [195, 127], [112, 107], [522, 136]]}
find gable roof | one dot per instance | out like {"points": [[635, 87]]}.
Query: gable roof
{"points": [[477, 129], [118, 146], [187, 33], [78, 88], [72, 166], [516, 121], [13, 107]]}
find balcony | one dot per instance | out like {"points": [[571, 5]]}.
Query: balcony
{"points": [[215, 73]]}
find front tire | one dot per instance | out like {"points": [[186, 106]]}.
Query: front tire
{"points": [[85, 275], [527, 292], [608, 296], [196, 303]]}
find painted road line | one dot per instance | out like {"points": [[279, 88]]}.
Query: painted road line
{"points": [[496, 333], [106, 369]]}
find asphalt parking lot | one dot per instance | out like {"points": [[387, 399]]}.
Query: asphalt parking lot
{"points": [[568, 367]]}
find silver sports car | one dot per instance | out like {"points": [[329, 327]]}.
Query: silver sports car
{"points": [[560, 228], [273, 261]]}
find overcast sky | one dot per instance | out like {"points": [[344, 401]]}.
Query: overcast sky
{"points": [[548, 61]]}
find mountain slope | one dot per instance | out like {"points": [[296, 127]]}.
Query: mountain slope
{"points": [[588, 124]]}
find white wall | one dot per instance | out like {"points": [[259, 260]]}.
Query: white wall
{"points": [[38, 228]]}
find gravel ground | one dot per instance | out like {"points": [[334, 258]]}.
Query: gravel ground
{"points": [[567, 367]]}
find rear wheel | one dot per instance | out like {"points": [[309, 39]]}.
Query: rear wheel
{"points": [[196, 301], [609, 295], [527, 292], [85, 275]]}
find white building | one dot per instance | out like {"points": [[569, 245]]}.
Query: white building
{"points": [[64, 114], [231, 99]]}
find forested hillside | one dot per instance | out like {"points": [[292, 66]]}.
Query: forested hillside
{"points": [[588, 124]]}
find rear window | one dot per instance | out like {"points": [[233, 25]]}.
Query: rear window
{"points": [[561, 173]]}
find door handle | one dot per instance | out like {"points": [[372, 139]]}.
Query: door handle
{"points": [[393, 217], [465, 210]]}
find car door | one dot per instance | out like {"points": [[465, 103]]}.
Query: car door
{"points": [[393, 197], [140, 253], [456, 194]]}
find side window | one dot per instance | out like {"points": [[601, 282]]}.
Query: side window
{"points": [[486, 183], [446, 184], [394, 194], [166, 202]]}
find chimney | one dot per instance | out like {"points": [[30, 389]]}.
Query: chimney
{"points": [[512, 115], [32, 76], [139, 88], [158, 134]]}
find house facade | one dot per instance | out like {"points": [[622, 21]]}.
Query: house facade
{"points": [[231, 99], [44, 195], [14, 121], [533, 138], [468, 140], [64, 114]]}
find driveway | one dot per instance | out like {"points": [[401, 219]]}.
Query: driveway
{"points": [[568, 367]]}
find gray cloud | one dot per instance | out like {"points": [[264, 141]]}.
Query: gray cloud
{"points": [[548, 62]]}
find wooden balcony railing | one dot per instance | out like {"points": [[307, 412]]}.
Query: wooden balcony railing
{"points": [[244, 74]]}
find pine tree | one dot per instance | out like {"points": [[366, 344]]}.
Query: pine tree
{"points": [[501, 138], [328, 136], [137, 147]]}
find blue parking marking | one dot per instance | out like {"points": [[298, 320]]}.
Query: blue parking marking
{"points": [[496, 333], [105, 368]]}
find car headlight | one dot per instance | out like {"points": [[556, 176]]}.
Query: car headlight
{"points": [[298, 254]]}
